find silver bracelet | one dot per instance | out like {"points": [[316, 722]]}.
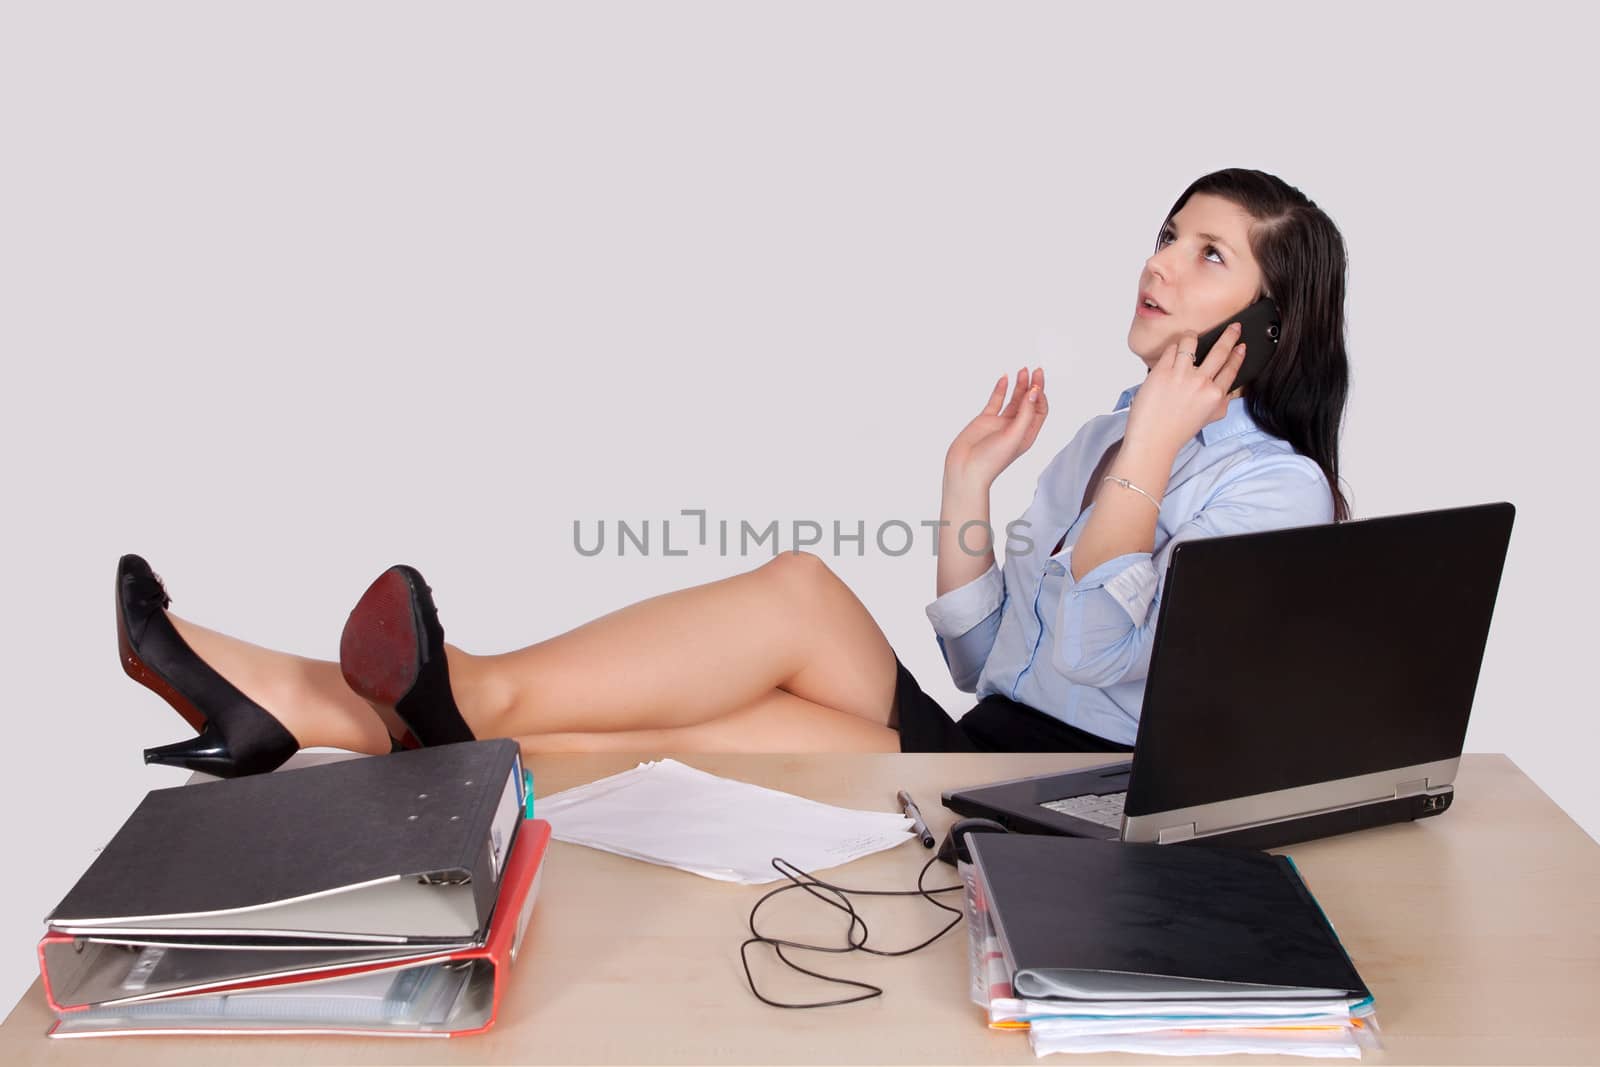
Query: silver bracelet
{"points": [[1129, 485]]}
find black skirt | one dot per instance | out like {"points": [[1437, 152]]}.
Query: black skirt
{"points": [[995, 724]]}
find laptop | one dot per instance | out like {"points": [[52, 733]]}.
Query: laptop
{"points": [[1303, 682]]}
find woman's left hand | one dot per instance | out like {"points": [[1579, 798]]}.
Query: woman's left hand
{"points": [[1178, 398]]}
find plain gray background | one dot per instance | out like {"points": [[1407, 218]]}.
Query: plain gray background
{"points": [[291, 292]]}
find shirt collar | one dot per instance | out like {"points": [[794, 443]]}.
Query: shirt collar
{"points": [[1235, 421]]}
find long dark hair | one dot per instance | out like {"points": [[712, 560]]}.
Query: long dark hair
{"points": [[1300, 394]]}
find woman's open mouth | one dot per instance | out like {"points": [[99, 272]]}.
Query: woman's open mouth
{"points": [[1149, 309]]}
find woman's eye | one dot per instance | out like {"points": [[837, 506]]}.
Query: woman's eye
{"points": [[1210, 250]]}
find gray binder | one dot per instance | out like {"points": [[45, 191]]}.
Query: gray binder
{"points": [[399, 849]]}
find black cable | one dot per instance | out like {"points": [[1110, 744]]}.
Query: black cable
{"points": [[811, 885]]}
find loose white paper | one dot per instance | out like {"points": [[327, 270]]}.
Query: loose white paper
{"points": [[667, 813]]}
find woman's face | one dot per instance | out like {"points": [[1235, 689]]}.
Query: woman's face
{"points": [[1202, 272]]}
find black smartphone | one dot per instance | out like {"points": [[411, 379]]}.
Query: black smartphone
{"points": [[1258, 333]]}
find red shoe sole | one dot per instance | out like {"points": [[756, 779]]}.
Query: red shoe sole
{"points": [[378, 649], [145, 676]]}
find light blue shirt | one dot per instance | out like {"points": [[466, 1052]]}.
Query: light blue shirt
{"points": [[1080, 650]]}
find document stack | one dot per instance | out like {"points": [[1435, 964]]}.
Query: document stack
{"points": [[386, 895], [1098, 946]]}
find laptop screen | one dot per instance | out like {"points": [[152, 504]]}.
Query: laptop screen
{"points": [[1294, 657]]}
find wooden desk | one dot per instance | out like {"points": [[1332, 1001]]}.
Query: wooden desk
{"points": [[1478, 932]]}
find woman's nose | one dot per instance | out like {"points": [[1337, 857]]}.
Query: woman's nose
{"points": [[1157, 269]]}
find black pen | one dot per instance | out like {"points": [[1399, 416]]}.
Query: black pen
{"points": [[918, 827]]}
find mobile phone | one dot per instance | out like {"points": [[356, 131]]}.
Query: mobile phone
{"points": [[1259, 329]]}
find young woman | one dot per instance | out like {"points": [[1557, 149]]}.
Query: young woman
{"points": [[784, 658]]}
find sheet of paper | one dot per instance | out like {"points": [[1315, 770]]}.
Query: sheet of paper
{"points": [[667, 813], [1321, 1045]]}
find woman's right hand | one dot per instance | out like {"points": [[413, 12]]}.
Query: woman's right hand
{"points": [[993, 439]]}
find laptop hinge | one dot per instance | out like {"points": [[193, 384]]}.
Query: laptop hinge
{"points": [[1411, 788], [1168, 834]]}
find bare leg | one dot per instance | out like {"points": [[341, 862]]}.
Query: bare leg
{"points": [[725, 655], [308, 696], [689, 657], [781, 722]]}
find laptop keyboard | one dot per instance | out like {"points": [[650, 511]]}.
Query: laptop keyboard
{"points": [[1105, 808]]}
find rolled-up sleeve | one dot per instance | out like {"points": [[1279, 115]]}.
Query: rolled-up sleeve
{"points": [[1106, 620], [965, 621]]}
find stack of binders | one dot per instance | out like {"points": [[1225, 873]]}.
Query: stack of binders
{"points": [[386, 895], [1099, 946]]}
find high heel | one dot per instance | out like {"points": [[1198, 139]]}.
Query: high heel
{"points": [[213, 753], [392, 653], [237, 735]]}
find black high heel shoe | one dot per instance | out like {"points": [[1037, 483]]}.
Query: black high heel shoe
{"points": [[392, 654], [237, 735]]}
